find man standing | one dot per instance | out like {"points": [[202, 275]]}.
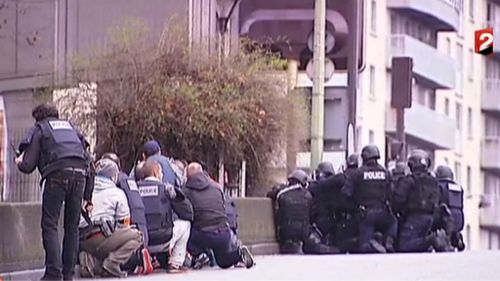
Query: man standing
{"points": [[60, 153]]}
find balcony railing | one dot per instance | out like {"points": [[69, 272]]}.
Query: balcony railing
{"points": [[437, 68], [491, 95], [442, 15], [489, 215], [490, 153]]}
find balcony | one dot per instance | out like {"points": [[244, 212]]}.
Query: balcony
{"points": [[490, 99], [496, 39], [425, 127], [490, 154], [431, 67], [489, 215], [443, 15]]}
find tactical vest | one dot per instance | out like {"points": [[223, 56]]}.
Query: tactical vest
{"points": [[373, 188], [455, 196], [293, 204], [136, 206], [158, 211], [59, 141], [424, 195]]}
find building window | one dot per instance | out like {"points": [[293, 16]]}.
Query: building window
{"points": [[372, 81], [471, 9], [459, 57], [447, 106], [470, 69], [458, 172], [469, 180], [432, 99], [373, 22], [448, 46], [469, 123], [371, 136], [446, 161], [458, 116]]}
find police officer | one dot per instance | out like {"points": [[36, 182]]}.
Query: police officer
{"points": [[322, 211], [346, 225], [292, 204], [157, 198], [417, 198], [60, 153], [453, 196], [370, 187]]}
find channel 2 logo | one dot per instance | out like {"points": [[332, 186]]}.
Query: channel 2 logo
{"points": [[484, 41]]}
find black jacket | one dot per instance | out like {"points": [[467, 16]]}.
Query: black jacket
{"points": [[208, 203]]}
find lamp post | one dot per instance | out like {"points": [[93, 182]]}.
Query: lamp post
{"points": [[225, 9], [224, 12]]}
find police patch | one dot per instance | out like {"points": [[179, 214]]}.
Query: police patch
{"points": [[60, 125], [132, 185], [374, 175], [454, 187], [148, 191]]}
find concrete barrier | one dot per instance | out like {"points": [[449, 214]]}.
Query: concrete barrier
{"points": [[256, 225], [21, 242], [20, 236]]}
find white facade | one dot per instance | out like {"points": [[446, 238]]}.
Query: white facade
{"points": [[460, 103]]}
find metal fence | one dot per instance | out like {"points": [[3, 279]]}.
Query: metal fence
{"points": [[16, 186]]}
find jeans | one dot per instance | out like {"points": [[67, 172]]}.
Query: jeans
{"points": [[67, 187], [218, 241]]}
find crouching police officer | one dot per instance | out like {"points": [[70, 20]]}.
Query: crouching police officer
{"points": [[292, 205], [453, 197], [158, 198], [60, 153], [108, 241], [417, 197], [370, 187], [322, 209]]}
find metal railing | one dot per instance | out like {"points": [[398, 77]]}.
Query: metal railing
{"points": [[16, 186]]}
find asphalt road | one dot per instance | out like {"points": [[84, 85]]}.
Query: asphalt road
{"points": [[484, 265]]}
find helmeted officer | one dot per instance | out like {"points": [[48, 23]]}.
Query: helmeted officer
{"points": [[417, 198], [292, 204], [322, 210], [370, 187], [346, 224], [60, 153], [453, 196]]}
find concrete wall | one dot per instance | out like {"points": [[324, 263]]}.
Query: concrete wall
{"points": [[21, 238]]}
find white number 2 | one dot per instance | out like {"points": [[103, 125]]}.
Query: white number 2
{"points": [[487, 38]]}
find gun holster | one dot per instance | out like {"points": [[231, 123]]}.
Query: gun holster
{"points": [[107, 227]]}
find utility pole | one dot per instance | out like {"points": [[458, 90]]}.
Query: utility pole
{"points": [[318, 91], [353, 59]]}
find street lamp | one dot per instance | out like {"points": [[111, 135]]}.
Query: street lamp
{"points": [[225, 9], [224, 12]]}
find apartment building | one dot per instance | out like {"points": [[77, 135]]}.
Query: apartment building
{"points": [[490, 143]]}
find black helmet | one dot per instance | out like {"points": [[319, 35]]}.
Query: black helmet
{"points": [[112, 156], [352, 161], [370, 152], [419, 160], [325, 169], [299, 176], [444, 172], [399, 169]]}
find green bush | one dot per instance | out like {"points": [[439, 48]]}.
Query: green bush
{"points": [[196, 105]]}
